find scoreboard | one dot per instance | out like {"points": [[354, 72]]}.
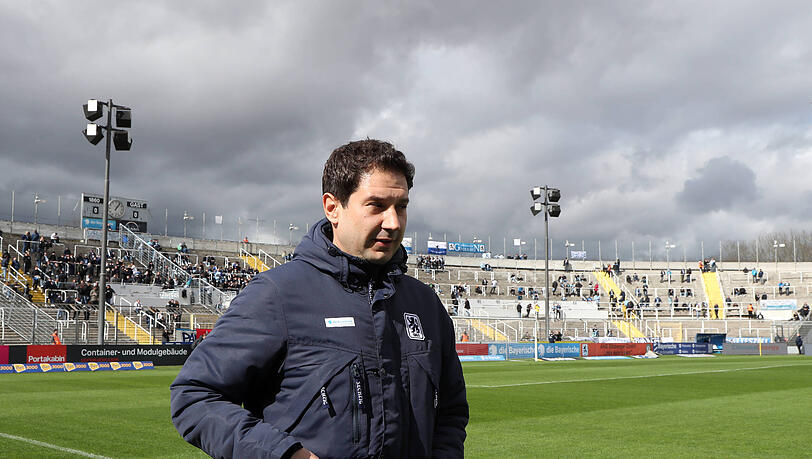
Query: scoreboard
{"points": [[132, 213]]}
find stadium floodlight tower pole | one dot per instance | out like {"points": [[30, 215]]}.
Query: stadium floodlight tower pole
{"points": [[776, 245], [121, 139], [668, 247], [551, 209]]}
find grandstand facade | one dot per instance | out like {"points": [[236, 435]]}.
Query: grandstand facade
{"points": [[163, 286]]}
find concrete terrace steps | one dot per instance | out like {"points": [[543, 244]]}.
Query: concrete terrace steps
{"points": [[713, 291], [253, 262]]}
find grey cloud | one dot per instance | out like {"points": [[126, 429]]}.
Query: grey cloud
{"points": [[236, 109], [720, 184]]}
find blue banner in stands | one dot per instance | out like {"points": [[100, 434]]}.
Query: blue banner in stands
{"points": [[466, 247], [437, 247]]}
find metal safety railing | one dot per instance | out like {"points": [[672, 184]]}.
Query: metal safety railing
{"points": [[24, 318], [202, 292]]}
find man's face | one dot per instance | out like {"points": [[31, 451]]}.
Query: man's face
{"points": [[372, 224]]}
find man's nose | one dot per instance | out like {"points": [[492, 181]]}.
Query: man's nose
{"points": [[391, 221]]}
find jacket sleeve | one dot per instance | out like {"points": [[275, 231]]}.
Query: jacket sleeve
{"points": [[230, 367], [452, 415]]}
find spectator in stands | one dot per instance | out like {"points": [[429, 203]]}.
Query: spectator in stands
{"points": [[519, 309], [761, 276], [804, 311], [754, 273], [751, 313], [800, 343], [27, 262], [4, 263], [464, 337], [55, 337], [528, 308], [467, 307]]}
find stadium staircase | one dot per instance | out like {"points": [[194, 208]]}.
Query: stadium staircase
{"points": [[713, 291], [205, 294], [253, 261], [607, 283], [628, 329], [488, 331], [126, 325]]}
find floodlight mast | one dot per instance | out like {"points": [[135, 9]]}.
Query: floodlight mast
{"points": [[551, 195], [93, 111], [103, 267]]}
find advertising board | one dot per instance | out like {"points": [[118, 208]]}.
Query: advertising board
{"points": [[160, 355], [481, 358], [472, 349], [3, 355], [407, 244], [68, 367], [512, 350], [682, 348], [526, 350], [45, 353], [755, 349], [749, 339], [610, 349], [556, 350]]}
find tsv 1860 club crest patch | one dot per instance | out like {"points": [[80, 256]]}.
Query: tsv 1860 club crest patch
{"points": [[413, 328]]}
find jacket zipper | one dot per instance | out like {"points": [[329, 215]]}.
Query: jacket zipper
{"points": [[358, 401]]}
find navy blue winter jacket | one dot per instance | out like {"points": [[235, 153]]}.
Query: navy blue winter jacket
{"points": [[331, 352]]}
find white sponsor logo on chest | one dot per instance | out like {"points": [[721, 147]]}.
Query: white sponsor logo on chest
{"points": [[332, 322], [413, 328]]}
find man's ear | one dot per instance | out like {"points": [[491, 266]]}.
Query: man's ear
{"points": [[331, 205]]}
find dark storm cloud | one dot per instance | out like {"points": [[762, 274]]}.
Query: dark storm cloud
{"points": [[722, 183], [236, 109]]}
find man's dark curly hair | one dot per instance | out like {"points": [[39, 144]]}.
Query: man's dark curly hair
{"points": [[348, 163]]}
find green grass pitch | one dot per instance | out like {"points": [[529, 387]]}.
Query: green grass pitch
{"points": [[669, 407]]}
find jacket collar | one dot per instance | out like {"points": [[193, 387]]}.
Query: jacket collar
{"points": [[318, 250]]}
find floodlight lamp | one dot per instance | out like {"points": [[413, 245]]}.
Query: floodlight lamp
{"points": [[553, 195], [93, 133], [535, 192], [554, 210], [536, 208], [122, 140], [123, 118], [93, 109]]}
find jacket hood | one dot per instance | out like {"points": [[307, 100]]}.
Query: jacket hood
{"points": [[317, 249]]}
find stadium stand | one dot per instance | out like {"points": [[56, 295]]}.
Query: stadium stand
{"points": [[163, 284]]}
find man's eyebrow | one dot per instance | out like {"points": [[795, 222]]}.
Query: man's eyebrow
{"points": [[386, 198]]}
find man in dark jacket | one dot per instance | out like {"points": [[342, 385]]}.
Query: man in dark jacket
{"points": [[336, 353], [800, 343]]}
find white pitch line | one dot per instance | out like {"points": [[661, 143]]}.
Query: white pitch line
{"points": [[483, 386], [48, 445]]}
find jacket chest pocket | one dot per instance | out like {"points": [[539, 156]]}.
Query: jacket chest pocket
{"points": [[330, 412], [424, 397]]}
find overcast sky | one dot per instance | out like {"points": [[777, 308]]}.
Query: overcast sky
{"points": [[683, 120]]}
